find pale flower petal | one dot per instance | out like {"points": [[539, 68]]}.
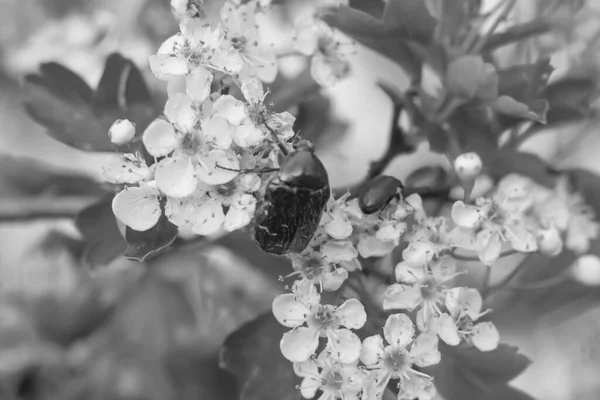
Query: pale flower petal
{"points": [[372, 350], [447, 330], [176, 85], [211, 172], [327, 71], [336, 251], [289, 311], [253, 90], [419, 253], [485, 336], [165, 67], [198, 83], [399, 330], [339, 227], [160, 138], [408, 274], [299, 344], [230, 108], [247, 134], [466, 215], [179, 109], [519, 237], [352, 314], [401, 297], [137, 207], [462, 299], [307, 36], [176, 177], [306, 368], [218, 131], [370, 246], [208, 218], [309, 387], [237, 218], [333, 280], [424, 351], [125, 168], [489, 245], [344, 345]]}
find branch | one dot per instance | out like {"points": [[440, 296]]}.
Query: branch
{"points": [[14, 209], [516, 33]]}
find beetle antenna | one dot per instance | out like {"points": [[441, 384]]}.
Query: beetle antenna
{"points": [[249, 170], [281, 146]]}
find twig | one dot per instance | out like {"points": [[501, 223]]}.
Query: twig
{"points": [[26, 209], [485, 287], [517, 32]]}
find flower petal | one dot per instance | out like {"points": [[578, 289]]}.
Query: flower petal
{"points": [[465, 215], [339, 227], [447, 330], [299, 344], [352, 314], [344, 345], [401, 297], [306, 368], [198, 83], [485, 336], [176, 177], [218, 131], [519, 237], [333, 280], [335, 251], [489, 245], [289, 311], [253, 90], [309, 386], [213, 166], [372, 350], [237, 218], [408, 274], [159, 138], [328, 70], [137, 207], [399, 330], [462, 299], [179, 109], [125, 168], [370, 246], [307, 36], [230, 108], [424, 351], [208, 218], [165, 67]]}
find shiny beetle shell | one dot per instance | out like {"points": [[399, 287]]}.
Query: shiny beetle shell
{"points": [[377, 193], [289, 213]]}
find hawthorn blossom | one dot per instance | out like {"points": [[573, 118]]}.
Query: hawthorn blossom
{"points": [[396, 359], [311, 320], [315, 38], [334, 379], [422, 287], [464, 307]]}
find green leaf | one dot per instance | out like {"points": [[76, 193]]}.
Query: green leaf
{"points": [[507, 161], [75, 115], [535, 111], [525, 82], [467, 374], [406, 25], [99, 228], [142, 245], [253, 356], [516, 33], [570, 99]]}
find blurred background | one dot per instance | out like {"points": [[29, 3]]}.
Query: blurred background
{"points": [[36, 254]]}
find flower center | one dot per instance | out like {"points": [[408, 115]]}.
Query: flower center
{"points": [[239, 42], [324, 318], [429, 290], [327, 46], [396, 361], [332, 381], [312, 269]]}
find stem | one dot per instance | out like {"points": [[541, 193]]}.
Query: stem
{"points": [[25, 209], [486, 280], [484, 38]]}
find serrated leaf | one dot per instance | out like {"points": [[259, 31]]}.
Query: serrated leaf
{"points": [[252, 354], [464, 375], [525, 82], [99, 228], [405, 23], [75, 115], [507, 161], [142, 245], [535, 111]]}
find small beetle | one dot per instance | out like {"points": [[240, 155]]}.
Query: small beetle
{"points": [[289, 213], [378, 192]]}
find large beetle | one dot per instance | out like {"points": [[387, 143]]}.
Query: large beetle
{"points": [[289, 213]]}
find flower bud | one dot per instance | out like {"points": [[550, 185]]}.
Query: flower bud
{"points": [[122, 132], [549, 242], [586, 270], [468, 165]]}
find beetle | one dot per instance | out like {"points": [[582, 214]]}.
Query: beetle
{"points": [[378, 192], [288, 214]]}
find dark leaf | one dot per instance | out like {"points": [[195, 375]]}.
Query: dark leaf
{"points": [[286, 93], [75, 115], [404, 22], [570, 99], [525, 82], [252, 354], [32, 177], [588, 184], [373, 7], [99, 228], [517, 33], [507, 161], [534, 110], [466, 374], [141, 245]]}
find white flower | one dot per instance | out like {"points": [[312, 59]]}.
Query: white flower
{"points": [[586, 270], [179, 110], [217, 166], [468, 165], [297, 345], [126, 169], [138, 207], [334, 379], [176, 176], [464, 306], [160, 138], [395, 360], [121, 132], [197, 84]]}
